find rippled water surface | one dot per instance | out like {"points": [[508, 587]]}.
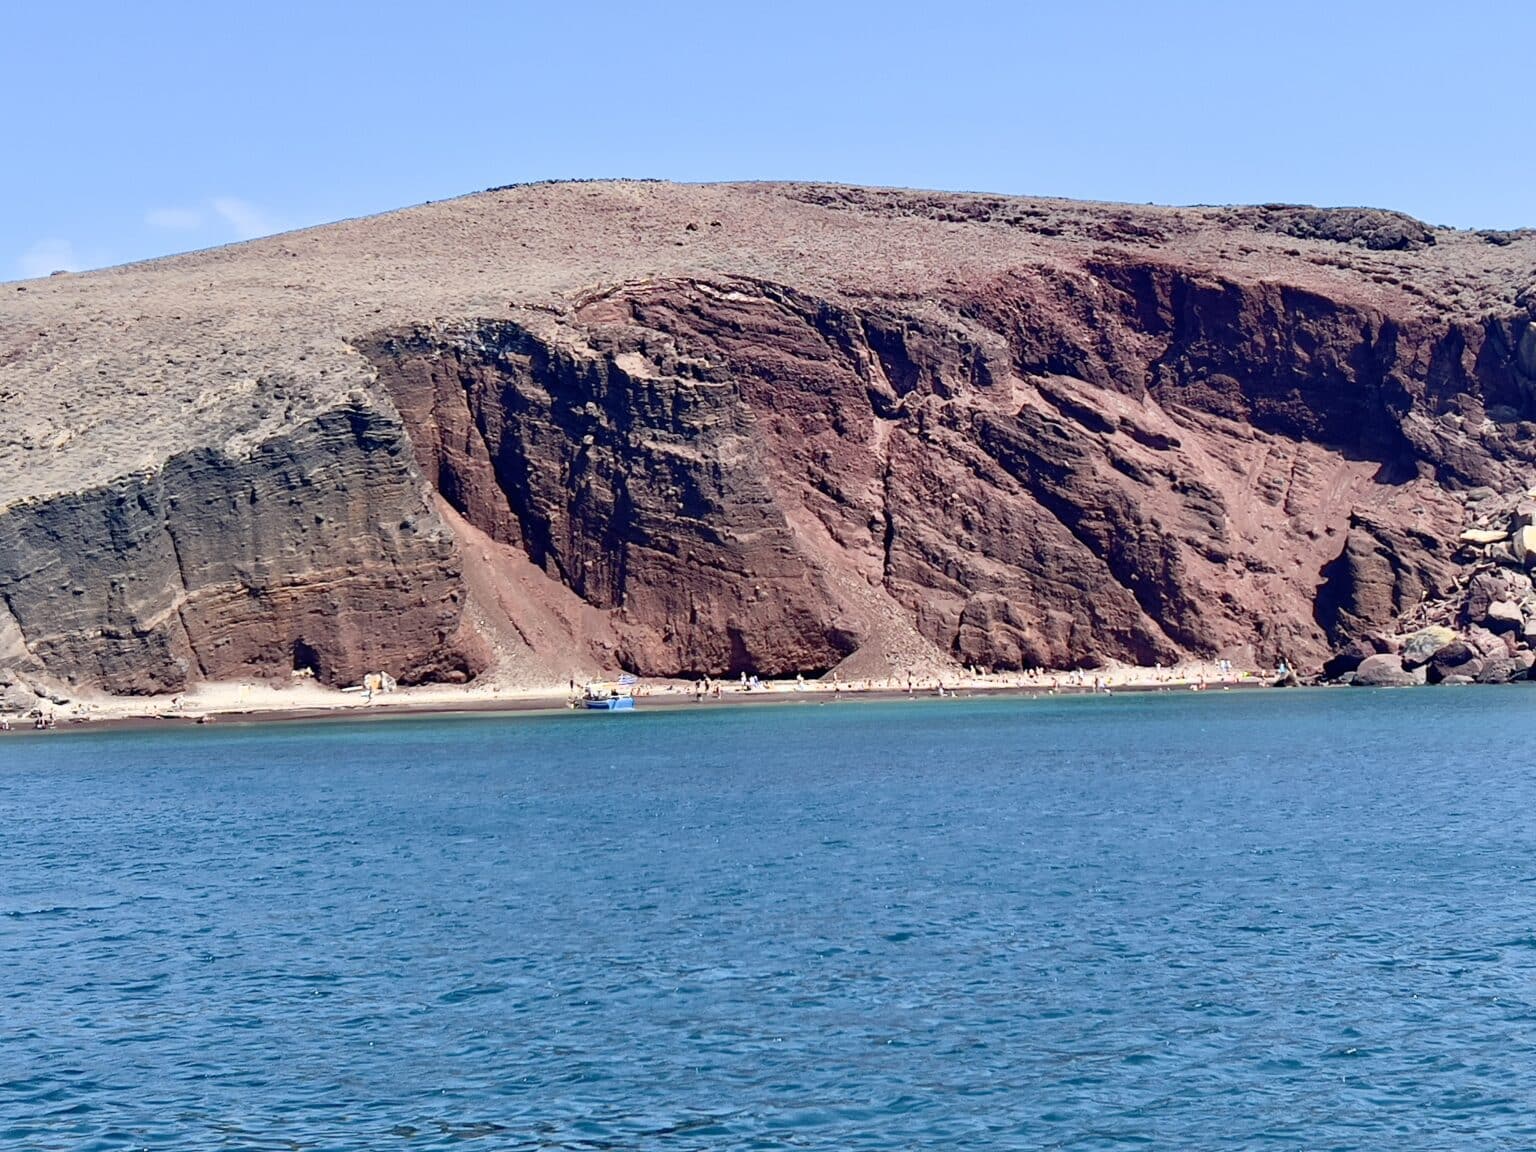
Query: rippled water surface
{"points": [[1236, 920]]}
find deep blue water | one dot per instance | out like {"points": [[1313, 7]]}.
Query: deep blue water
{"points": [[1234, 920]]}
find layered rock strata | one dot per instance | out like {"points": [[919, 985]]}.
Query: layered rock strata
{"points": [[294, 556], [776, 428]]}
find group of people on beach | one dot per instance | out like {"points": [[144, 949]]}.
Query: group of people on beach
{"points": [[41, 721], [1219, 673]]}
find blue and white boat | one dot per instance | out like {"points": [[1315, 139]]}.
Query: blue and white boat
{"points": [[610, 703], [606, 696]]}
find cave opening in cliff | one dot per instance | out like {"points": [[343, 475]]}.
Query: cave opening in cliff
{"points": [[305, 658]]}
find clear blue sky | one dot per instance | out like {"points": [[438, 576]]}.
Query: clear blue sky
{"points": [[136, 129]]}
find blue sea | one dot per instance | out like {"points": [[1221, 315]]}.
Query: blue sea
{"points": [[1231, 920]]}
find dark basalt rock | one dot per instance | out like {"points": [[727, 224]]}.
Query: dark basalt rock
{"points": [[1455, 659], [1372, 227]]}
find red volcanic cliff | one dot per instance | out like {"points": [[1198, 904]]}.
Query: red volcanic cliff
{"points": [[770, 427]]}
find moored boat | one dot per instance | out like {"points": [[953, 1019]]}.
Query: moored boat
{"points": [[609, 696], [610, 703]]}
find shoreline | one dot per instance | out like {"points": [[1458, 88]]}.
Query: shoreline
{"points": [[251, 703]]}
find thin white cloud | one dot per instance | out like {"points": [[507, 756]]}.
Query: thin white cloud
{"points": [[175, 219], [48, 256], [230, 215], [246, 219]]}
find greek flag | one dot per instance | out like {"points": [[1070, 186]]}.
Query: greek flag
{"points": [[628, 678]]}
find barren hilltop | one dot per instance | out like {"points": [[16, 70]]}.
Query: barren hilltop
{"points": [[551, 429]]}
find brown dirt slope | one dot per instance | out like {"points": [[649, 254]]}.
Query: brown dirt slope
{"points": [[552, 428]]}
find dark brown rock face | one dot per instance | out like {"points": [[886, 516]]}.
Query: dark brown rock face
{"points": [[300, 555], [722, 456], [1383, 571], [1455, 659], [642, 493], [768, 428]]}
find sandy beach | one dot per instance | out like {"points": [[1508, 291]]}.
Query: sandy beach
{"points": [[303, 699]]}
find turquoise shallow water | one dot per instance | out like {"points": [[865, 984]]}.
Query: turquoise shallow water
{"points": [[1233, 920]]}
